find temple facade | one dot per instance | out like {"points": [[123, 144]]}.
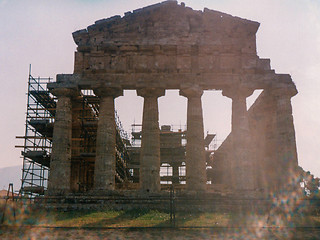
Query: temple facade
{"points": [[171, 46]]}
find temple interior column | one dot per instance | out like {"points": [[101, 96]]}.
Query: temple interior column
{"points": [[105, 162], [76, 145], [242, 165], [136, 175], [150, 142], [175, 173], [195, 153], [60, 163]]}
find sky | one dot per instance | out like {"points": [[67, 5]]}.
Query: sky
{"points": [[38, 32]]}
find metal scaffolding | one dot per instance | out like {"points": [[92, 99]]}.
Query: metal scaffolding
{"points": [[41, 108], [172, 154], [38, 136]]}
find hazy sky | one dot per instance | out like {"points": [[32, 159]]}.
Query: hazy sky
{"points": [[38, 32]]}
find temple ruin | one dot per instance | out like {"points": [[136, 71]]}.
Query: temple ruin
{"points": [[163, 47]]}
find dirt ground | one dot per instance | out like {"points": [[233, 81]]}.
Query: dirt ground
{"points": [[159, 233]]}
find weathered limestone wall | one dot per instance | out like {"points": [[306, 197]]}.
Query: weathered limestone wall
{"points": [[169, 44], [170, 22]]}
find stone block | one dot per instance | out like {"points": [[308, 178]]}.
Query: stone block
{"points": [[165, 63], [183, 50], [264, 64], [78, 62], [143, 63], [229, 61], [128, 48], [184, 63], [248, 61], [97, 63], [208, 63]]}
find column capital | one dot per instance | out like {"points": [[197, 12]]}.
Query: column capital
{"points": [[237, 92], [108, 91], [63, 91], [190, 92], [151, 92]]}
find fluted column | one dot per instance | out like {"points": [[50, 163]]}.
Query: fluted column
{"points": [[286, 152], [105, 163], [242, 166], [195, 152], [150, 142], [60, 163], [77, 105]]}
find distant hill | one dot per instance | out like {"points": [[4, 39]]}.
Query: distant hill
{"points": [[10, 175]]}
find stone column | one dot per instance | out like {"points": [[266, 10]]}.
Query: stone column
{"points": [[242, 166], [285, 142], [150, 142], [76, 145], [105, 163], [60, 163], [195, 152]]}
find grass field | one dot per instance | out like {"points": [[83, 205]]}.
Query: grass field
{"points": [[33, 223], [25, 215]]}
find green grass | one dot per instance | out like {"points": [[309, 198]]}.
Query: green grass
{"points": [[153, 218], [132, 218]]}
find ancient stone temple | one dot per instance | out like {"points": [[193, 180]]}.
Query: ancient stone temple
{"points": [[171, 46]]}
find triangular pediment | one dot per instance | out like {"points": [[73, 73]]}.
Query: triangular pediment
{"points": [[167, 23]]}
